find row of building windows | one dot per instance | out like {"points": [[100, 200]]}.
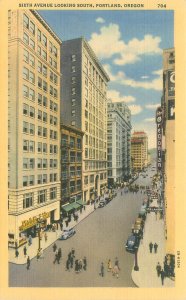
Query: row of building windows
{"points": [[90, 179], [28, 199], [41, 179], [41, 37], [29, 146], [41, 131], [29, 163], [41, 115]]}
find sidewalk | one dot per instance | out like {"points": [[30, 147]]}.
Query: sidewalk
{"points": [[147, 274], [52, 237]]}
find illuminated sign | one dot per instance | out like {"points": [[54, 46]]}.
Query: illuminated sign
{"points": [[171, 83], [33, 221], [171, 109], [159, 119]]}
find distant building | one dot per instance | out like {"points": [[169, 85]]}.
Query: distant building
{"points": [[139, 150], [84, 106], [33, 124], [71, 168], [118, 142]]}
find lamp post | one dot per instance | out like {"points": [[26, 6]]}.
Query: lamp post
{"points": [[39, 235], [136, 267]]}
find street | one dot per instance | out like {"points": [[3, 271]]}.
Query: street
{"points": [[99, 237]]}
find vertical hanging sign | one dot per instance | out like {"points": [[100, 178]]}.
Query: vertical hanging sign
{"points": [[159, 117]]}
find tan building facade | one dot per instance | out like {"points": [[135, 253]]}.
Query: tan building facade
{"points": [[84, 105], [169, 144], [139, 150], [71, 169], [33, 124]]}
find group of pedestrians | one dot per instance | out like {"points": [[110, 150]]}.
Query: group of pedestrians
{"points": [[160, 272], [151, 246], [114, 270], [57, 255], [77, 264]]}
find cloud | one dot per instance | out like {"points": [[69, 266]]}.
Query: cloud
{"points": [[152, 106], [115, 96], [158, 72], [100, 20], [121, 78], [149, 120], [135, 109], [144, 77], [108, 43]]}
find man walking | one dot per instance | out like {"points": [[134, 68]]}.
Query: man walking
{"points": [[25, 251], [54, 247], [162, 273], [150, 247], [155, 248], [84, 263], [28, 263], [158, 269], [56, 257], [102, 270], [16, 253]]}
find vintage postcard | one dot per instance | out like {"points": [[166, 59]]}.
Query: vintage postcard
{"points": [[92, 164]]}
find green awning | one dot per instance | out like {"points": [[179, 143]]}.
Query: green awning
{"points": [[81, 202], [76, 205], [68, 207]]}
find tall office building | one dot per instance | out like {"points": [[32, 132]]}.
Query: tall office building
{"points": [[33, 124], [84, 105], [139, 150], [118, 142]]}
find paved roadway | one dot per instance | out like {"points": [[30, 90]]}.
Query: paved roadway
{"points": [[102, 235]]}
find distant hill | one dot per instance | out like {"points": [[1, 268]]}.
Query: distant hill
{"points": [[153, 153]]}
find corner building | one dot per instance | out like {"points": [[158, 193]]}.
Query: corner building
{"points": [[84, 105], [33, 124]]}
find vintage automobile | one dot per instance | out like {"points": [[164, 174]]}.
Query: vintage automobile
{"points": [[132, 243], [102, 203], [67, 233]]}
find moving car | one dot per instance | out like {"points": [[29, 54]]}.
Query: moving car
{"points": [[67, 233], [132, 243]]}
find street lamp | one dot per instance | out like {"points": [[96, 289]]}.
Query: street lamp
{"points": [[136, 267], [39, 235]]}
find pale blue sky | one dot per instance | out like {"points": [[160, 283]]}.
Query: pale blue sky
{"points": [[129, 45]]}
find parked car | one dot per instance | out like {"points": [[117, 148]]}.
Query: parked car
{"points": [[102, 203], [67, 233], [132, 243]]}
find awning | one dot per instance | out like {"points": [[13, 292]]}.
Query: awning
{"points": [[75, 205], [69, 207], [81, 202]]}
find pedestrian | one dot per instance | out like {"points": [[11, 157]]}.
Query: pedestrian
{"points": [[121, 193], [25, 251], [155, 248], [59, 253], [38, 254], [28, 263], [67, 265], [80, 264], [162, 273], [69, 255], [158, 269], [46, 237], [56, 257], [61, 226], [30, 240], [109, 265], [117, 263], [102, 270], [76, 266], [84, 263], [150, 246], [16, 244], [115, 271], [16, 253], [66, 222], [54, 247], [71, 261]]}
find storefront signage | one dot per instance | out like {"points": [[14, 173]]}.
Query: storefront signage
{"points": [[33, 221], [171, 83], [171, 109], [159, 119]]}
